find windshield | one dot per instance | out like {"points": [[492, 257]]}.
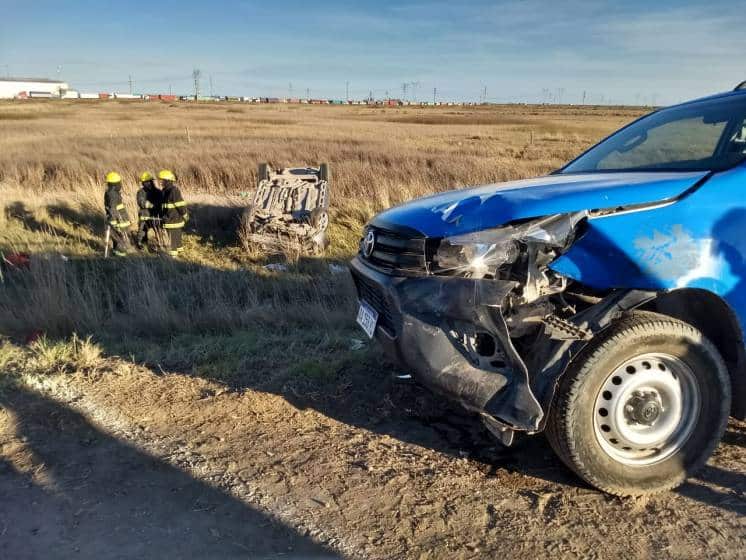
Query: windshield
{"points": [[704, 136]]}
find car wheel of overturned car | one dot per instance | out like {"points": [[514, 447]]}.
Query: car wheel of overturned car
{"points": [[319, 219], [324, 172], [642, 407], [262, 173]]}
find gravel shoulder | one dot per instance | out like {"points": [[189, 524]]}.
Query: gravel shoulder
{"points": [[134, 464]]}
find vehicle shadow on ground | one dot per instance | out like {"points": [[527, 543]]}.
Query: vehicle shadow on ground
{"points": [[214, 225], [735, 436], [377, 401], [733, 485], [71, 490]]}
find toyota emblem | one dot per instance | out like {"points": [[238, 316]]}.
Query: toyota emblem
{"points": [[369, 243]]}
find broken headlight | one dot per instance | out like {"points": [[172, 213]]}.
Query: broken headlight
{"points": [[481, 253]]}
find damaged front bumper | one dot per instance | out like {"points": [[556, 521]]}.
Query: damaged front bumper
{"points": [[426, 323]]}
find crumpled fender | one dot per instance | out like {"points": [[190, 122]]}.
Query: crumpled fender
{"points": [[697, 241]]}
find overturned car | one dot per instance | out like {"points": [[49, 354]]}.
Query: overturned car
{"points": [[290, 209], [603, 304]]}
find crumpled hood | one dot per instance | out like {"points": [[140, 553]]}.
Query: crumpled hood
{"points": [[488, 206]]}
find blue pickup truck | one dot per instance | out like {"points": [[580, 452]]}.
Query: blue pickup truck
{"points": [[603, 304]]}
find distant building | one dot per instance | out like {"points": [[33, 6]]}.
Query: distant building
{"points": [[11, 88]]}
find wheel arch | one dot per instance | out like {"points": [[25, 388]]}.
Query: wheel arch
{"points": [[711, 315]]}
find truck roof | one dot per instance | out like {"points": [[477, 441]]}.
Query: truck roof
{"points": [[739, 91]]}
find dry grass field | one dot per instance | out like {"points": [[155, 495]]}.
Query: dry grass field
{"points": [[209, 407], [53, 157]]}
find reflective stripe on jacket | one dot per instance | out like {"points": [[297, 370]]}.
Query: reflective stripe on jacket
{"points": [[116, 212], [175, 213], [149, 203]]}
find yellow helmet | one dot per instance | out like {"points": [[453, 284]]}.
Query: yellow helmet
{"points": [[113, 177], [166, 175], [146, 176]]}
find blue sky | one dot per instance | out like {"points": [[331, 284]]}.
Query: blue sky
{"points": [[526, 50]]}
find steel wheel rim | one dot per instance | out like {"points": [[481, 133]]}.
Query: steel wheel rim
{"points": [[647, 409]]}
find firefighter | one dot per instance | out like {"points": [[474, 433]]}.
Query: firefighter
{"points": [[148, 208], [117, 218], [175, 215]]}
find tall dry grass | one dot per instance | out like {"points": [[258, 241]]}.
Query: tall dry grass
{"points": [[54, 154], [156, 297], [379, 156]]}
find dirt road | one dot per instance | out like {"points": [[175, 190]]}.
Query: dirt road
{"points": [[133, 464]]}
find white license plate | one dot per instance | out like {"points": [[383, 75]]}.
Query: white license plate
{"points": [[367, 317]]}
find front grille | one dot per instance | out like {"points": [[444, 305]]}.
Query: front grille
{"points": [[396, 252], [374, 296]]}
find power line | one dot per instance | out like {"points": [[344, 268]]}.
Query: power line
{"points": [[414, 85], [139, 81], [196, 74]]}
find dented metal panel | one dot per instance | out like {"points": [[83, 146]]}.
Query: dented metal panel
{"points": [[698, 242], [468, 210]]}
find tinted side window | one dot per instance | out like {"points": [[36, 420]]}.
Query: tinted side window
{"points": [[687, 140], [706, 135]]}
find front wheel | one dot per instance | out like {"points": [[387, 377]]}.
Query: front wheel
{"points": [[642, 407]]}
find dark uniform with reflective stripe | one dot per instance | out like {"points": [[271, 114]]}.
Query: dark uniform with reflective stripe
{"points": [[117, 218], [149, 209], [174, 216]]}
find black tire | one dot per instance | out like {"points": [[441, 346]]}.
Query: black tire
{"points": [[262, 173], [324, 172], [571, 425], [319, 218]]}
